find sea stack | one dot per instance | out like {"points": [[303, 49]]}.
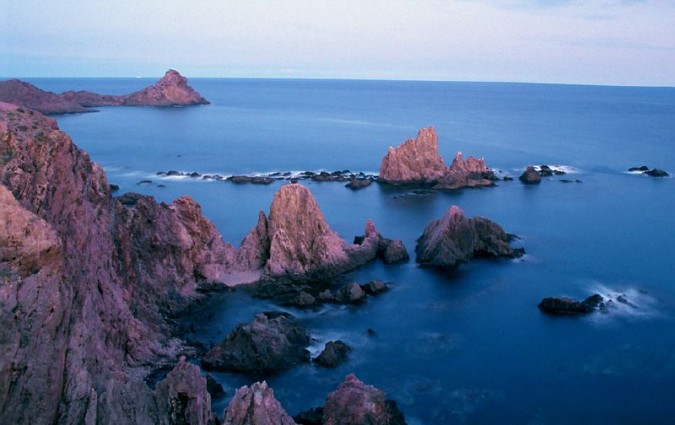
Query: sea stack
{"points": [[417, 162], [455, 239]]}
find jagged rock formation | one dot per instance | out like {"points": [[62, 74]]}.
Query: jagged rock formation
{"points": [[301, 244], [83, 293], [171, 90], [270, 343], [333, 354], [455, 239], [256, 405], [357, 403], [182, 397], [417, 162]]}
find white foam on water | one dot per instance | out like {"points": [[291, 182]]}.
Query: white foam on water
{"points": [[630, 302]]}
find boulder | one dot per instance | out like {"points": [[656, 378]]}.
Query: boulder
{"points": [[333, 354], [356, 184], [374, 287], [256, 405], [350, 294], [392, 251], [530, 176], [656, 172], [455, 239], [270, 343], [355, 403], [564, 305]]}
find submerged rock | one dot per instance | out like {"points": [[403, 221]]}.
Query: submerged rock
{"points": [[256, 405], [357, 403], [455, 239], [270, 343], [564, 305]]}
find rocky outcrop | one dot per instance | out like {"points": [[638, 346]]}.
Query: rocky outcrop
{"points": [[530, 176], [653, 172], [85, 292], [392, 251], [455, 239], [171, 90], [256, 405], [564, 305], [182, 397], [301, 244], [357, 403], [333, 354], [270, 343], [417, 162], [27, 95]]}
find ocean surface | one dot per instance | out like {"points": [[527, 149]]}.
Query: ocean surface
{"points": [[462, 347]]}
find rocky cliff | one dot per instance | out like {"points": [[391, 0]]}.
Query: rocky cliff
{"points": [[417, 162], [171, 90], [82, 296], [455, 239]]}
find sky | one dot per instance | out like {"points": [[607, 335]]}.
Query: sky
{"points": [[608, 42]]}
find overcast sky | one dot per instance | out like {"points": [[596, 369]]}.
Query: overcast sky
{"points": [[616, 42]]}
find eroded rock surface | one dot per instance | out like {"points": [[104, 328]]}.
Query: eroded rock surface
{"points": [[455, 239], [357, 403], [82, 295], [417, 162], [333, 354], [256, 405], [182, 397], [270, 343]]}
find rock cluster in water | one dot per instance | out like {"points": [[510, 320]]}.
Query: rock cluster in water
{"points": [[170, 90], [417, 162], [653, 172], [455, 239], [87, 281], [533, 175]]}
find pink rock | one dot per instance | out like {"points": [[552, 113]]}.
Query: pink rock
{"points": [[256, 405], [416, 161], [355, 403]]}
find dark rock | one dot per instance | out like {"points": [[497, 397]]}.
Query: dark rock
{"points": [[312, 416], [194, 175], [351, 294], [454, 239], [173, 173], [642, 168], [334, 353], [270, 343], [392, 251], [256, 405], [656, 172], [251, 179], [214, 387], [326, 296], [545, 171], [507, 179], [144, 181], [530, 176], [356, 403], [182, 396], [114, 187], [374, 287], [564, 305], [356, 184]]}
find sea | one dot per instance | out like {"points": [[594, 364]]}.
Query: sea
{"points": [[467, 346]]}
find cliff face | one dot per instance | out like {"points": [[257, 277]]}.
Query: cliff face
{"points": [[417, 162], [171, 90], [74, 334]]}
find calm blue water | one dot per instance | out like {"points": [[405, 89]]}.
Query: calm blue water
{"points": [[470, 346]]}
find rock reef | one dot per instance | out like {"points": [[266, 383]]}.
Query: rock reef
{"points": [[170, 90], [455, 239], [417, 162]]}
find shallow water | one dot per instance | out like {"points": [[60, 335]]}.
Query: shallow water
{"points": [[463, 347]]}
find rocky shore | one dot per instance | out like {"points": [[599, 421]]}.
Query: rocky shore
{"points": [[87, 281], [170, 90]]}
